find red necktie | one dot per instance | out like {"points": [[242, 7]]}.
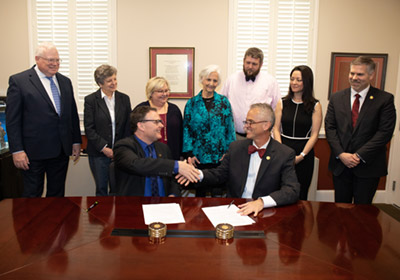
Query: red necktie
{"points": [[354, 110], [253, 149]]}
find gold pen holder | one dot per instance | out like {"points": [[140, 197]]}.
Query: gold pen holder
{"points": [[157, 232], [224, 233]]}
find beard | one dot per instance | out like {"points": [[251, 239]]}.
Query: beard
{"points": [[251, 76]]}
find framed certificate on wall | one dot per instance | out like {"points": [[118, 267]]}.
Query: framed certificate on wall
{"points": [[176, 66]]}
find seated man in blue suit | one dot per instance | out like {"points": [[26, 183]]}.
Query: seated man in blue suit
{"points": [[143, 165], [42, 124], [257, 167]]}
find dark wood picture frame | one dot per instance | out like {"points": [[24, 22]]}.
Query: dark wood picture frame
{"points": [[176, 65], [340, 66]]}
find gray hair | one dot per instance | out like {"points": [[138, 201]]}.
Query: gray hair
{"points": [[207, 72], [365, 60], [103, 72], [43, 47], [266, 110]]}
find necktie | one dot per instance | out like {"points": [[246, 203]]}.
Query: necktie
{"points": [[354, 110], [153, 179], [56, 95], [248, 78], [253, 149]]}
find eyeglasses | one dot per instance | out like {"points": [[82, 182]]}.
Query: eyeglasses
{"points": [[156, 122], [52, 60], [250, 123], [162, 91]]}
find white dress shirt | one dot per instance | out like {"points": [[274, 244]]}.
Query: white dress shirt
{"points": [[242, 94], [254, 166], [111, 108], [46, 85], [362, 94]]}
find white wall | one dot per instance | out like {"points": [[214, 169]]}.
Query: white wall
{"points": [[173, 23]]}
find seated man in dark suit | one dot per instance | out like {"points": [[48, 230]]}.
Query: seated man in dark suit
{"points": [[144, 166], [257, 167]]}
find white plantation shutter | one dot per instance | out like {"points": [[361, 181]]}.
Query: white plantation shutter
{"points": [[283, 29], [253, 24], [82, 30]]}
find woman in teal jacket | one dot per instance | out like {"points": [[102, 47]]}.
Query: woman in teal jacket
{"points": [[207, 125]]}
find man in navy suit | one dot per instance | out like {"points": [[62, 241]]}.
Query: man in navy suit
{"points": [[42, 124], [359, 123], [258, 167]]}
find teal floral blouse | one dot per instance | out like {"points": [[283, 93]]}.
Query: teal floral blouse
{"points": [[207, 134]]}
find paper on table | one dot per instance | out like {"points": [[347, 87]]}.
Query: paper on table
{"points": [[223, 214], [167, 213]]}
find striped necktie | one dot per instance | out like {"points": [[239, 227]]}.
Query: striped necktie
{"points": [[56, 95]]}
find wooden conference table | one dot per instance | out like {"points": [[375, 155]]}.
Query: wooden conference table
{"points": [[55, 238]]}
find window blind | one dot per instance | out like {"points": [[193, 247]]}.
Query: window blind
{"points": [[82, 32], [283, 29]]}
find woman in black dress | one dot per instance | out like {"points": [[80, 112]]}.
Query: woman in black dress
{"points": [[298, 121]]}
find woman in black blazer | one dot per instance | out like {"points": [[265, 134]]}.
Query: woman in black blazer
{"points": [[106, 119]]}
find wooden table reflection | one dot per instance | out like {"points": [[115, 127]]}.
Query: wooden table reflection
{"points": [[55, 238]]}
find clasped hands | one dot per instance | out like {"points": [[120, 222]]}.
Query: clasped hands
{"points": [[349, 160], [187, 173]]}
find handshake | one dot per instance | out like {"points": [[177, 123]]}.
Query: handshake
{"points": [[187, 173]]}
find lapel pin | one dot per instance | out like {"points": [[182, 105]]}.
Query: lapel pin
{"points": [[268, 157], [371, 97]]}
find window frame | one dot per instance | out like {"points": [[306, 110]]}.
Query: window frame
{"points": [[269, 64], [70, 54]]}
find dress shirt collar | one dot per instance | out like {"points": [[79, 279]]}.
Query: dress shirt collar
{"points": [[263, 146], [247, 80], [143, 144], [362, 93], [104, 95], [41, 74]]}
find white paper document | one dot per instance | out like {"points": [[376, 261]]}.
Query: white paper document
{"points": [[223, 214], [167, 213]]}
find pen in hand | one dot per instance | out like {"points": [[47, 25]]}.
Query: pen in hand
{"points": [[230, 204], [92, 206]]}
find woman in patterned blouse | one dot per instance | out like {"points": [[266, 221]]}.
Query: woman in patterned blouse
{"points": [[207, 125]]}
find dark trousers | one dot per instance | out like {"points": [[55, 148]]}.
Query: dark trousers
{"points": [[56, 173], [100, 170], [305, 168], [349, 186], [304, 171]]}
